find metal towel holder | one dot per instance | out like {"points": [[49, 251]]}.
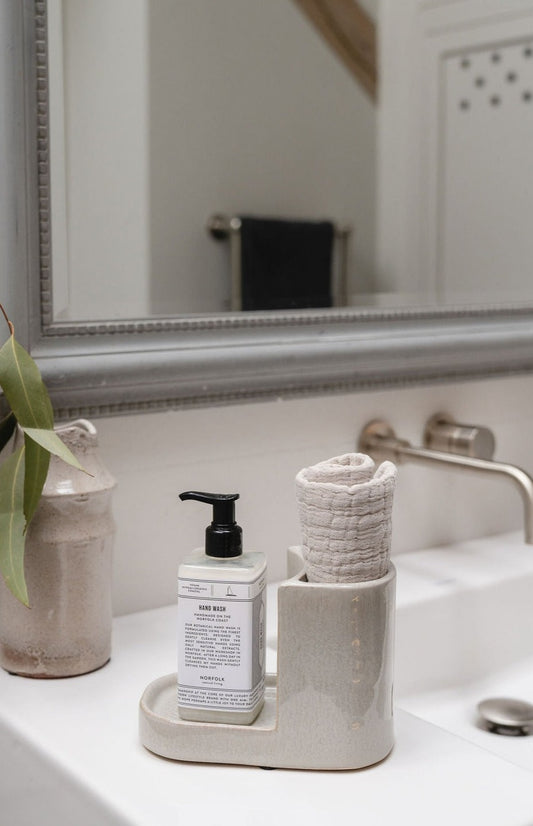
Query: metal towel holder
{"points": [[221, 228]]}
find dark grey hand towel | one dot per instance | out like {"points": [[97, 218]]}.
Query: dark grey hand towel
{"points": [[286, 264]]}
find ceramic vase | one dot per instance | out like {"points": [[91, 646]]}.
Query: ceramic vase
{"points": [[67, 629]]}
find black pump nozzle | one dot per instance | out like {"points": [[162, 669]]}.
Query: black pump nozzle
{"points": [[223, 537]]}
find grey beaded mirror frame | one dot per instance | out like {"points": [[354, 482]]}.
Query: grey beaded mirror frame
{"points": [[105, 368]]}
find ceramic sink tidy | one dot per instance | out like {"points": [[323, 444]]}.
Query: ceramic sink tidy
{"points": [[330, 704]]}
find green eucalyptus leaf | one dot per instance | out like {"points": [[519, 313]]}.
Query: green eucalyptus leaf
{"points": [[51, 442], [36, 464], [23, 386], [12, 524], [7, 427]]}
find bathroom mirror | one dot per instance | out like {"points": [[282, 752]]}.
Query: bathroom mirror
{"points": [[100, 361]]}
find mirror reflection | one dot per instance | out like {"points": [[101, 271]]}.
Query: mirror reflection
{"points": [[164, 113]]}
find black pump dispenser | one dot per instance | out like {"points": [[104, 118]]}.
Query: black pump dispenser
{"points": [[223, 537]]}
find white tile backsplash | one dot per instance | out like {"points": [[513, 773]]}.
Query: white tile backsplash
{"points": [[256, 450]]}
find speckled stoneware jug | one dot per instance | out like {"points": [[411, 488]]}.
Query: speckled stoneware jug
{"points": [[67, 630]]}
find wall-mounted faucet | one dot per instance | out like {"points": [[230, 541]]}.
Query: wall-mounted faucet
{"points": [[446, 442]]}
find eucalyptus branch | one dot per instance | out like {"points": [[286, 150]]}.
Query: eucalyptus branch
{"points": [[9, 323]]}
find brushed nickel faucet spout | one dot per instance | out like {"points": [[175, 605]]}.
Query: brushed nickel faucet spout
{"points": [[379, 440]]}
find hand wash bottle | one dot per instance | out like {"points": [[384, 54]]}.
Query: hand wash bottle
{"points": [[221, 623]]}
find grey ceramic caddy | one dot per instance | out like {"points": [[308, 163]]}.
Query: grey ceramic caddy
{"points": [[329, 706]]}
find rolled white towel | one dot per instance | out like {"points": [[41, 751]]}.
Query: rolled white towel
{"points": [[345, 507]]}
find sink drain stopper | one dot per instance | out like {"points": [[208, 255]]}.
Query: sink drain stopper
{"points": [[503, 715]]}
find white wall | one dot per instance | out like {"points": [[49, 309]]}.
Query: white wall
{"points": [[250, 112], [257, 449], [104, 255], [453, 201], [175, 110]]}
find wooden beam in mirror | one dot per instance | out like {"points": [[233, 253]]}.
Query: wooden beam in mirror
{"points": [[351, 32]]}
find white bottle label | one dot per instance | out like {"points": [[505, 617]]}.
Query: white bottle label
{"points": [[221, 647]]}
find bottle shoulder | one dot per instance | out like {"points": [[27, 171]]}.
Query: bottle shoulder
{"points": [[246, 567]]}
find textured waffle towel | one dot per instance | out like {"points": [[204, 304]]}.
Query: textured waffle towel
{"points": [[345, 509]]}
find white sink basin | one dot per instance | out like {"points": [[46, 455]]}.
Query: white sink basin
{"points": [[465, 633]]}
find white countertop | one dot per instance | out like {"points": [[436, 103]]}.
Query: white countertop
{"points": [[70, 754]]}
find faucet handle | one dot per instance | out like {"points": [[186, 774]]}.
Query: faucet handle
{"points": [[443, 433]]}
